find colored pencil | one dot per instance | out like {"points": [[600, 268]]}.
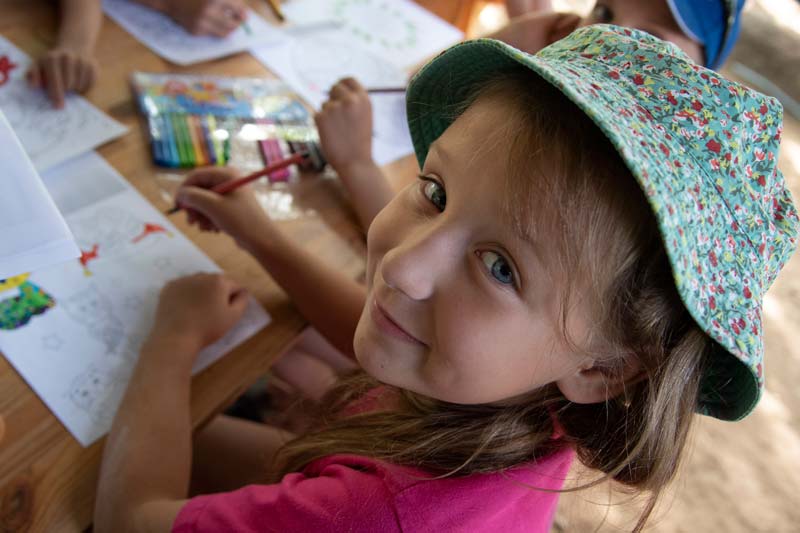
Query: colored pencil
{"points": [[380, 90], [275, 5], [228, 186]]}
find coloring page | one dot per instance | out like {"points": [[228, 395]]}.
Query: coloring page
{"points": [[74, 331], [35, 234], [314, 61], [49, 135], [398, 31], [172, 42]]}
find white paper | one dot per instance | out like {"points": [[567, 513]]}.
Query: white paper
{"points": [[34, 235], [374, 41], [313, 62], [49, 135], [78, 348], [172, 42], [399, 31]]}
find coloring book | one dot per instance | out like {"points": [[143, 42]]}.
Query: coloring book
{"points": [[74, 331]]}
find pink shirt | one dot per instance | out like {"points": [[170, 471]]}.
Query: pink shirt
{"points": [[356, 494]]}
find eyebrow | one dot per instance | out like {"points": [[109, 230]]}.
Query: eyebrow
{"points": [[441, 153]]}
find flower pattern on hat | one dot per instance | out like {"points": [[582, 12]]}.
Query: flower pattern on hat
{"points": [[704, 151]]}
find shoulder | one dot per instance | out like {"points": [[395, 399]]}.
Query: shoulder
{"points": [[336, 493]]}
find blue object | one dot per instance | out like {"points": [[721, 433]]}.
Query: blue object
{"points": [[714, 24]]}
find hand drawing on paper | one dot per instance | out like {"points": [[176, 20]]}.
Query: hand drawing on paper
{"points": [[27, 301]]}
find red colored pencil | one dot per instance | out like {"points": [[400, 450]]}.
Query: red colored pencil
{"points": [[228, 186]]}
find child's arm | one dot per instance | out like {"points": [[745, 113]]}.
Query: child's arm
{"points": [[516, 8], [70, 65], [330, 300], [533, 31], [146, 467], [345, 130], [203, 17]]}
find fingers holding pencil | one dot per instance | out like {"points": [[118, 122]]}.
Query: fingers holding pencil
{"points": [[237, 213]]}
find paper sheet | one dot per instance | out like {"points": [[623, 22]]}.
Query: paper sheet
{"points": [[49, 135], [172, 42], [398, 31], [74, 331], [313, 61], [374, 41], [34, 234]]}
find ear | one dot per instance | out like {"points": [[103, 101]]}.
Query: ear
{"points": [[593, 383]]}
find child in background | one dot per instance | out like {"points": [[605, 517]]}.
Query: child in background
{"points": [[70, 64], [586, 251], [706, 30], [217, 18]]}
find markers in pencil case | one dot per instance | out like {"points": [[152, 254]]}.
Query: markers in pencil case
{"points": [[157, 142], [315, 161], [202, 157], [271, 151]]}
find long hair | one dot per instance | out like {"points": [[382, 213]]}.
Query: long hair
{"points": [[563, 177]]}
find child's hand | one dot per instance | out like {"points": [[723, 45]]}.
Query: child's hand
{"points": [[61, 70], [345, 126], [237, 213], [208, 17], [195, 311]]}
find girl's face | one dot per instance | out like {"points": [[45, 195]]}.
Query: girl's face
{"points": [[460, 306]]}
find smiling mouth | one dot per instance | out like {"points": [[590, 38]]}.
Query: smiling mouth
{"points": [[388, 326]]}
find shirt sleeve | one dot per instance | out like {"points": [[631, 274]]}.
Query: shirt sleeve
{"points": [[337, 498]]}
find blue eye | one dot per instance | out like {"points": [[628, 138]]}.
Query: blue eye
{"points": [[499, 268], [434, 192]]}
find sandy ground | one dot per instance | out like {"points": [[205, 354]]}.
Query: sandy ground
{"points": [[745, 476]]}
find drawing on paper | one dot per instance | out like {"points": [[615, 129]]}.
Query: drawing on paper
{"points": [[112, 233], [377, 22], [93, 310], [96, 391], [6, 66], [321, 60], [28, 301]]}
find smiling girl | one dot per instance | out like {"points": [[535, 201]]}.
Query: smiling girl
{"points": [[570, 275]]}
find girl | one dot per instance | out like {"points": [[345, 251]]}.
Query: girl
{"points": [[578, 270]]}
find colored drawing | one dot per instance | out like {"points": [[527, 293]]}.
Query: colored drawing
{"points": [[86, 257], [6, 66], [150, 229], [30, 301]]}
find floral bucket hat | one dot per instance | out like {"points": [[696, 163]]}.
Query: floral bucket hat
{"points": [[702, 148]]}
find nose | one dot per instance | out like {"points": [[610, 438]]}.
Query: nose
{"points": [[420, 260]]}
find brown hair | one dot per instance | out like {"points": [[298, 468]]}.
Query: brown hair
{"points": [[563, 177]]}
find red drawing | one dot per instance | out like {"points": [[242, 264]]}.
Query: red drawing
{"points": [[86, 257], [149, 229], [6, 66]]}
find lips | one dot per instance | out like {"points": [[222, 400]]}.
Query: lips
{"points": [[389, 326]]}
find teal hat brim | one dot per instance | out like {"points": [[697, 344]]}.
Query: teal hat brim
{"points": [[732, 386]]}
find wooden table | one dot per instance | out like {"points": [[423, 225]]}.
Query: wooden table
{"points": [[47, 480]]}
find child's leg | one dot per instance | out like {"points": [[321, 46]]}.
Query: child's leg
{"points": [[230, 453], [312, 366]]}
